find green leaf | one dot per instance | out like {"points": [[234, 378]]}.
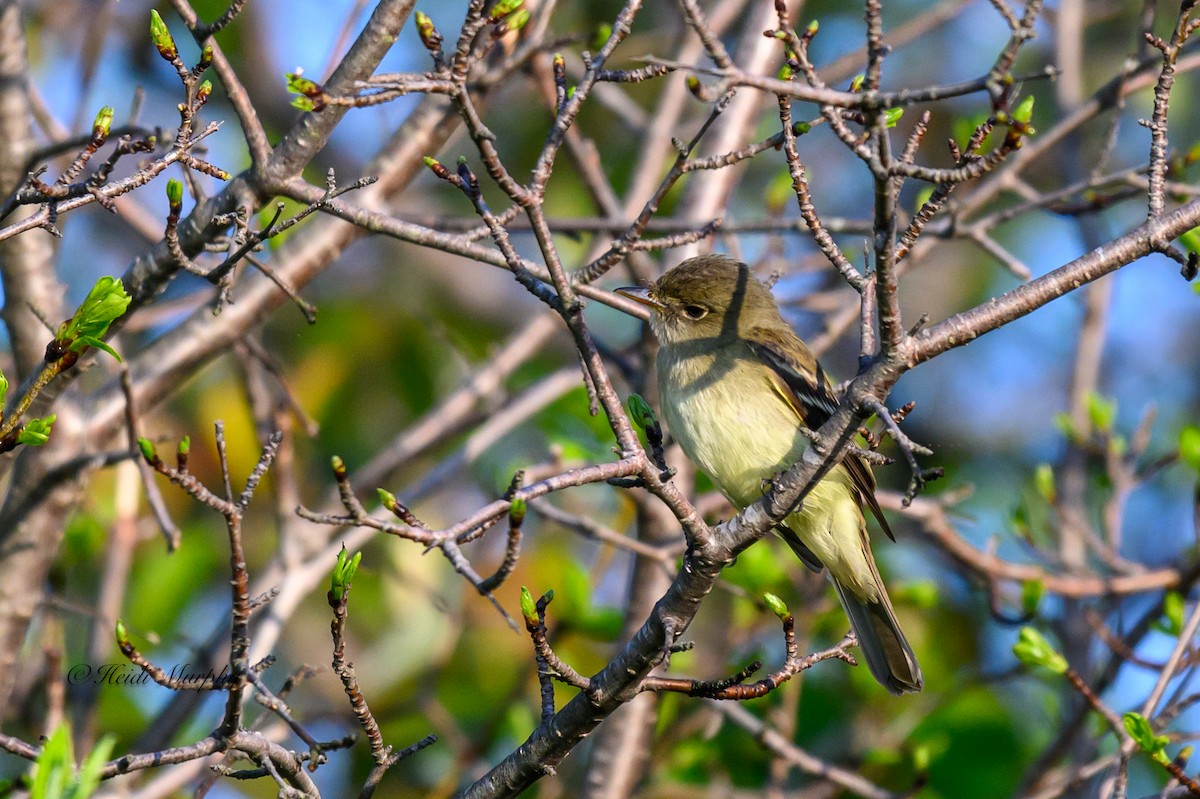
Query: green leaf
{"points": [[1142, 733], [603, 31], [1101, 411], [1173, 613], [1189, 446], [343, 572], [923, 197], [1066, 426], [505, 7], [92, 769], [1032, 592], [1033, 649], [517, 20], [36, 431], [3, 389], [640, 411], [49, 779], [921, 594], [1043, 480], [779, 193], [920, 759], [891, 116], [1191, 241], [104, 304]]}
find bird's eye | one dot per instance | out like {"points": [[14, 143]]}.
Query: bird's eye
{"points": [[695, 312]]}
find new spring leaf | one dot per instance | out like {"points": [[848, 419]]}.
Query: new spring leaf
{"points": [[1033, 649]]}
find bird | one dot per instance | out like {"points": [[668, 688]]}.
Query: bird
{"points": [[737, 385]]}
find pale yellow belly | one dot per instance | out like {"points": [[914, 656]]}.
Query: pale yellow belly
{"points": [[741, 432], [740, 436]]}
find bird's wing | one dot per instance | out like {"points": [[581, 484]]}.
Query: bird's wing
{"points": [[803, 384]]}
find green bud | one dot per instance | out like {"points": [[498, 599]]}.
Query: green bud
{"points": [[343, 572], [122, 633], [338, 465], [800, 128], [148, 451], [104, 304], [1189, 446], [1101, 411], [387, 499], [161, 36], [185, 446], [785, 73], [1066, 426], [813, 27], [776, 606], [640, 411], [1142, 733], [693, 85], [857, 81], [430, 36], [103, 123], [1033, 649], [505, 7], [1023, 113], [516, 513], [517, 20], [174, 193], [891, 116], [36, 431], [3, 390], [1032, 592], [431, 162], [206, 55], [528, 606], [204, 90]]}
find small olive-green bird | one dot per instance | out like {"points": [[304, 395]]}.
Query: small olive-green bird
{"points": [[736, 386]]}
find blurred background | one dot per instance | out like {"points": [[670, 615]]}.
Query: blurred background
{"points": [[400, 328]]}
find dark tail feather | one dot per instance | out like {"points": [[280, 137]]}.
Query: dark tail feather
{"points": [[888, 655]]}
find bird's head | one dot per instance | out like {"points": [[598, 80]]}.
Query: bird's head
{"points": [[708, 297]]}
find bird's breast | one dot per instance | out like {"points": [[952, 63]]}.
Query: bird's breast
{"points": [[729, 420]]}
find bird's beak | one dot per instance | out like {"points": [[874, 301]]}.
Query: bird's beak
{"points": [[641, 295]]}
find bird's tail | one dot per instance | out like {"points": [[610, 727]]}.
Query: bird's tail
{"points": [[888, 655]]}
